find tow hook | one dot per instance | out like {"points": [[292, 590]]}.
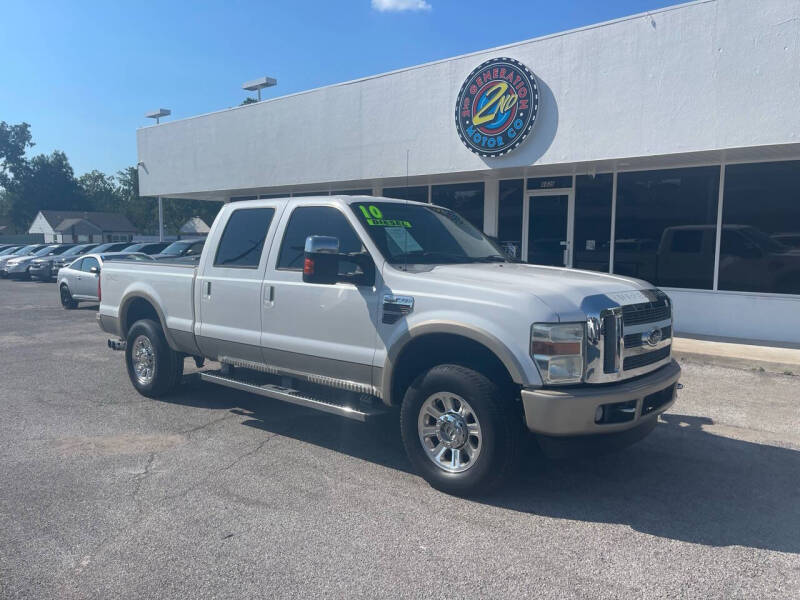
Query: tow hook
{"points": [[117, 344]]}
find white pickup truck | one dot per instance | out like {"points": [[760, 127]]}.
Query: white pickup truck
{"points": [[355, 305]]}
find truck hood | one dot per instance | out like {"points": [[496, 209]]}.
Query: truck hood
{"points": [[561, 289]]}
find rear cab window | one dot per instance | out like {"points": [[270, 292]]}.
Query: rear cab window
{"points": [[242, 240]]}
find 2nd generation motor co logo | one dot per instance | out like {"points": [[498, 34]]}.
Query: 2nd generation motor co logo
{"points": [[496, 107]]}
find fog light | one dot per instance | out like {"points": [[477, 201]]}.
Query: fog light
{"points": [[598, 414]]}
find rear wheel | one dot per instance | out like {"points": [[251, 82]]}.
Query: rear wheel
{"points": [[459, 431], [67, 301], [154, 368]]}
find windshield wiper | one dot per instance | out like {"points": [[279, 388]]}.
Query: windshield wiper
{"points": [[445, 258], [422, 257], [490, 258]]}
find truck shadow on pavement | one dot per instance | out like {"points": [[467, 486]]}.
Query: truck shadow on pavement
{"points": [[681, 482]]}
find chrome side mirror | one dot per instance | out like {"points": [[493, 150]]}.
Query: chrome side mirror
{"points": [[94, 270], [321, 259]]}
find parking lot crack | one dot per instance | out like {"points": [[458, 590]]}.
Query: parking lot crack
{"points": [[189, 432], [139, 478], [204, 480]]}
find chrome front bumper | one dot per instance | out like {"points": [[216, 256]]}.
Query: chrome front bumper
{"points": [[571, 411]]}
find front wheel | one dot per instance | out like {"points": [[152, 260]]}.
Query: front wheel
{"points": [[154, 368], [459, 432], [67, 301]]}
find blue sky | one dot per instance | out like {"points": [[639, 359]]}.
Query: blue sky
{"points": [[84, 73]]}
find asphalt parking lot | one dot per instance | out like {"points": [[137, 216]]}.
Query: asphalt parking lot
{"points": [[218, 494]]}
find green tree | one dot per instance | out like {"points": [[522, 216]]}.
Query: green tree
{"points": [[249, 100], [100, 191], [47, 182], [14, 141]]}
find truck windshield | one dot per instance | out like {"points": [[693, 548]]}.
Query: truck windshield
{"points": [[420, 234]]}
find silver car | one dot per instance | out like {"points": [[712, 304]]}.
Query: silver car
{"points": [[80, 280]]}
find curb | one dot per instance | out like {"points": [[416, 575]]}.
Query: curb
{"points": [[735, 362]]}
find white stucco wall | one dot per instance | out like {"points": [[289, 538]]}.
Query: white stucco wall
{"points": [[709, 75]]}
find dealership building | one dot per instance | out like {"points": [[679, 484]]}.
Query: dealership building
{"points": [[664, 146]]}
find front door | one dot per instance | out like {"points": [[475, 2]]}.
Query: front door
{"points": [[547, 237], [327, 330], [87, 281]]}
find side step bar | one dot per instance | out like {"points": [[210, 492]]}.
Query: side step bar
{"points": [[277, 392]]}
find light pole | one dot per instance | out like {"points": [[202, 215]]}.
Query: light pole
{"points": [[258, 84], [157, 114]]}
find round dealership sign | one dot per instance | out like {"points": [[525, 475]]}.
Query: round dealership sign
{"points": [[496, 107]]}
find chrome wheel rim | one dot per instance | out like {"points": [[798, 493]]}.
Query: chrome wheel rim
{"points": [[450, 432], [143, 359]]}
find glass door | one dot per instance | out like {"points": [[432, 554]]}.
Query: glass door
{"points": [[548, 228]]}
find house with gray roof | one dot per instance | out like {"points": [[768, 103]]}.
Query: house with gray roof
{"points": [[64, 226]]}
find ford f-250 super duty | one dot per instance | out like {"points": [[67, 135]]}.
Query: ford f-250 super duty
{"points": [[354, 305]]}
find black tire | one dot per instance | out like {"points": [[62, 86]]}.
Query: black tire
{"points": [[167, 365], [500, 426], [67, 301]]}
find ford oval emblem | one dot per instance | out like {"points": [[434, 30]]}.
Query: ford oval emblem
{"points": [[653, 337]]}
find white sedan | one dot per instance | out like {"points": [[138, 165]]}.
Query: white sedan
{"points": [[80, 280]]}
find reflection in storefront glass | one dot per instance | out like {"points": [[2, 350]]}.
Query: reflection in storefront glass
{"points": [[760, 246], [509, 223], [593, 221], [464, 198], [666, 226]]}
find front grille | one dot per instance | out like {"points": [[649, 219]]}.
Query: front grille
{"points": [[648, 358], [634, 340], [609, 344], [646, 312]]}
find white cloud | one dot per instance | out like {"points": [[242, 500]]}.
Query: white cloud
{"points": [[400, 5]]}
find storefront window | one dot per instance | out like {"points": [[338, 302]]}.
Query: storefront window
{"points": [[416, 193], [464, 198], [760, 246], [307, 194], [593, 221], [363, 192], [509, 222], [666, 226]]}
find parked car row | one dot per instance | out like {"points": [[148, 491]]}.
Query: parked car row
{"points": [[43, 261]]}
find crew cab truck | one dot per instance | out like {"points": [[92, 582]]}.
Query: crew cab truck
{"points": [[355, 304]]}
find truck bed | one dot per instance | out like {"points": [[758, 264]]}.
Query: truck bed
{"points": [[169, 286]]}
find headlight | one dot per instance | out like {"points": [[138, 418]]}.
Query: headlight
{"points": [[557, 350]]}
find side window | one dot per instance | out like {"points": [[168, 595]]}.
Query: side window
{"points": [[195, 249], [687, 241], [88, 263], [243, 239], [317, 220], [77, 264]]}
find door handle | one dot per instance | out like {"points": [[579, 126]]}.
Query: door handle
{"points": [[208, 289], [269, 295]]}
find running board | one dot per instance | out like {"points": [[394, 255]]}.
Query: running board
{"points": [[285, 394]]}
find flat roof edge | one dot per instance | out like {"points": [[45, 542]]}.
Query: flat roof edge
{"points": [[541, 38]]}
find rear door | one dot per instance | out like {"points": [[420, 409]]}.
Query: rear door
{"points": [[229, 281]]}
